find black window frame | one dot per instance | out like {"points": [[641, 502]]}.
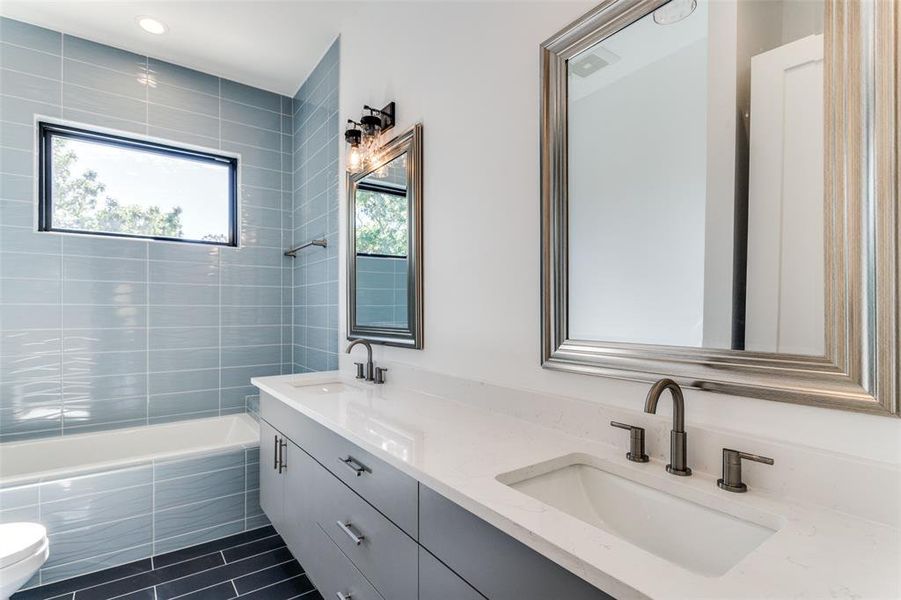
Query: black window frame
{"points": [[47, 131]]}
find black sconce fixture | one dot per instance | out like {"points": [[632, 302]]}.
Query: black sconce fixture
{"points": [[363, 137]]}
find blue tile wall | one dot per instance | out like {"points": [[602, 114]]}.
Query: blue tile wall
{"points": [[112, 517], [103, 333], [382, 291], [315, 215]]}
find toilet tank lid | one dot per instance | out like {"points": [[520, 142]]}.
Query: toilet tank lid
{"points": [[18, 541]]}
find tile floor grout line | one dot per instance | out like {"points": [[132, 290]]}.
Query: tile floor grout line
{"points": [[271, 584], [231, 563], [224, 549], [226, 580], [152, 567]]}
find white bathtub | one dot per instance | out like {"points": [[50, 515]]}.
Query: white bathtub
{"points": [[123, 495], [70, 455]]}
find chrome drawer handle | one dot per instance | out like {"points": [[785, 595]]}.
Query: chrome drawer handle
{"points": [[341, 596], [282, 465], [275, 451], [354, 537], [354, 465]]}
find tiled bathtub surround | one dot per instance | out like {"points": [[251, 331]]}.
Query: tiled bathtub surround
{"points": [[99, 332], [315, 215], [118, 516]]}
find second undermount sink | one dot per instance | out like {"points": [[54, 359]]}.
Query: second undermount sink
{"points": [[326, 387], [701, 539]]}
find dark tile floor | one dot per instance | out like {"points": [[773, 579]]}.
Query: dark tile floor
{"points": [[254, 565]]}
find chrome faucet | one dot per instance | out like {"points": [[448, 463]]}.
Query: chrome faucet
{"points": [[369, 374], [678, 445]]}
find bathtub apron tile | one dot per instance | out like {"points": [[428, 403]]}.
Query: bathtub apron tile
{"points": [[201, 515], [206, 486], [88, 543], [96, 482], [94, 509]]}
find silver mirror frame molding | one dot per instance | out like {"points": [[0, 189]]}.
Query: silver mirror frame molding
{"points": [[409, 142], [860, 371]]}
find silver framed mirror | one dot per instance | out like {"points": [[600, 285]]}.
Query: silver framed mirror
{"points": [[384, 246], [639, 278]]}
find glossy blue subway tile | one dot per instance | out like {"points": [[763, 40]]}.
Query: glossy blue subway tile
{"points": [[201, 515], [167, 73], [161, 406], [245, 94], [87, 364], [104, 247], [97, 78], [165, 338], [84, 316], [182, 120], [30, 36], [88, 542], [180, 359], [103, 56], [90, 100], [250, 115], [104, 340], [183, 316], [104, 292], [171, 382], [183, 467], [29, 87], [95, 509], [26, 60], [199, 487], [94, 268], [184, 99]]}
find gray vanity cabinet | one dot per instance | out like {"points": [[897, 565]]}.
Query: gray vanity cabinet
{"points": [[272, 483], [367, 531], [437, 582], [497, 565], [380, 550]]}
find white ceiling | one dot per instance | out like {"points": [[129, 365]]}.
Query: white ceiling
{"points": [[264, 43]]}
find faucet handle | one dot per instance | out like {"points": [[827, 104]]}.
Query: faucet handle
{"points": [[636, 442], [731, 480], [360, 374], [380, 374]]}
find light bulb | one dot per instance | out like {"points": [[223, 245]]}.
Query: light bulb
{"points": [[354, 158]]}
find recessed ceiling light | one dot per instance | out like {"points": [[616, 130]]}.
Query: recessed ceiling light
{"points": [[151, 25]]}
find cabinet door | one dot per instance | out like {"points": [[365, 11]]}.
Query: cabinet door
{"points": [[437, 582], [272, 483], [299, 502]]}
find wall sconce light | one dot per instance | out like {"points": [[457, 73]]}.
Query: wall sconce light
{"points": [[364, 137]]}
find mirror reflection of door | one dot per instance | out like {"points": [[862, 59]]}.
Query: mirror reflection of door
{"points": [[382, 208], [696, 155]]}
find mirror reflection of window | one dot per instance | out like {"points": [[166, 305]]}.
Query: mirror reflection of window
{"points": [[696, 179], [382, 246]]}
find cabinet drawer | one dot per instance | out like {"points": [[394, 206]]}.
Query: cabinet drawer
{"points": [[437, 582], [392, 492], [497, 565], [385, 555], [334, 575]]}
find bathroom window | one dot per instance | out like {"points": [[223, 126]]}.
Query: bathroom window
{"points": [[102, 184]]}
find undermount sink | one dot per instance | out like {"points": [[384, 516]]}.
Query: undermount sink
{"points": [[701, 539], [326, 387]]}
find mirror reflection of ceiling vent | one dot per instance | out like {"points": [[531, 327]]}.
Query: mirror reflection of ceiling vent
{"points": [[592, 62]]}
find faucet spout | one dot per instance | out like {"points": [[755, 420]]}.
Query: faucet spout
{"points": [[650, 403], [369, 376], [678, 437]]}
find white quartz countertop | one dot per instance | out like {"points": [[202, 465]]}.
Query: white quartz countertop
{"points": [[459, 449]]}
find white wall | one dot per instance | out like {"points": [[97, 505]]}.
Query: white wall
{"points": [[638, 163], [469, 72]]}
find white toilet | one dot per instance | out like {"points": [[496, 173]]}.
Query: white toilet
{"points": [[23, 549]]}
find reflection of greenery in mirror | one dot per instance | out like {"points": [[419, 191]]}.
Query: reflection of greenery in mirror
{"points": [[382, 211]]}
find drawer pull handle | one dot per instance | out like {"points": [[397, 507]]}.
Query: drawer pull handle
{"points": [[354, 465], [342, 596], [282, 464], [275, 451], [356, 538]]}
